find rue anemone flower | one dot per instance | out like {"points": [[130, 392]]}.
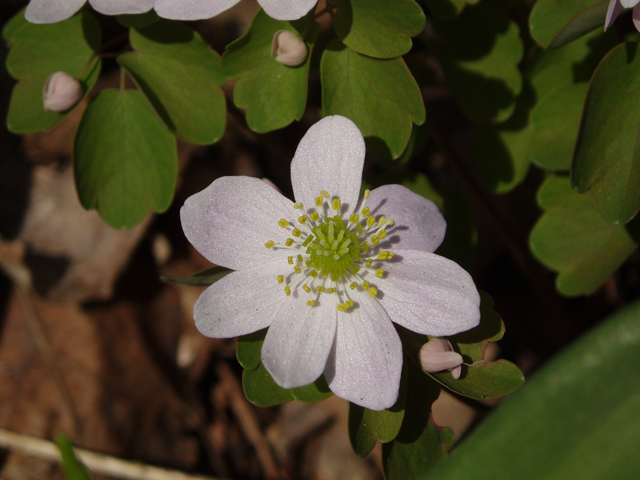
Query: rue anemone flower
{"points": [[52, 11], [616, 6], [328, 274]]}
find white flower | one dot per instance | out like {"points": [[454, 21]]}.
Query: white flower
{"points": [[328, 274], [288, 48], [616, 6], [60, 92], [51, 11], [437, 355]]}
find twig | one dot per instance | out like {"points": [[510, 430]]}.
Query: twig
{"points": [[248, 421], [96, 462], [11, 256]]}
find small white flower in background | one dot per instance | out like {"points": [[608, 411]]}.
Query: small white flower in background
{"points": [[51, 11], [329, 273], [61, 92], [437, 355], [616, 6], [288, 48]]}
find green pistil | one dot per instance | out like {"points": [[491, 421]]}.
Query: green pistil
{"points": [[334, 250]]}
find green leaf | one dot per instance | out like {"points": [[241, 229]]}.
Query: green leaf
{"points": [[378, 28], [575, 419], [420, 444], [606, 161], [180, 75], [73, 468], [273, 94], [314, 392], [380, 96], [447, 8], [479, 52], [261, 390], [14, 24], [140, 20], [37, 51], [203, 278], [249, 349], [125, 160], [573, 239], [503, 150], [554, 23]]}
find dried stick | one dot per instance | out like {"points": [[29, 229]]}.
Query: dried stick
{"points": [[96, 462]]}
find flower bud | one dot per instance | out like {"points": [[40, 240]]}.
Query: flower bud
{"points": [[288, 48], [61, 92], [437, 355]]}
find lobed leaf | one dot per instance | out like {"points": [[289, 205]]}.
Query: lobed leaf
{"points": [[380, 96], [125, 161], [572, 238], [273, 94], [181, 76], [37, 51]]}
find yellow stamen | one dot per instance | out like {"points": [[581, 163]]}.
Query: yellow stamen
{"points": [[269, 244]]}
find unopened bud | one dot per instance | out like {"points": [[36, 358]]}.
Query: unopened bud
{"points": [[61, 92], [288, 48], [437, 355]]}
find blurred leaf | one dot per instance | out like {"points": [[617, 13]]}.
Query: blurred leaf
{"points": [[380, 96], [606, 159], [420, 444], [73, 469], [378, 28], [479, 52], [447, 8], [573, 239], [37, 51], [125, 161], [575, 419], [503, 150], [249, 348], [554, 23], [180, 75], [273, 94], [140, 20], [261, 390], [366, 426], [203, 278]]}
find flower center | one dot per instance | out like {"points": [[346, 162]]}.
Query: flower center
{"points": [[331, 257]]}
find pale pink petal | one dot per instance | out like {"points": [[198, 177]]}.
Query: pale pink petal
{"points": [[192, 9], [118, 7], [636, 17], [419, 225], [51, 11], [299, 341], [287, 9], [629, 3], [242, 302], [429, 294], [366, 360], [615, 7], [329, 157], [230, 221]]}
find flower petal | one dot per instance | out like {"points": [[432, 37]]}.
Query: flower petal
{"points": [[192, 9], [329, 157], [419, 225], [429, 294], [118, 7], [636, 17], [230, 221], [51, 11], [615, 7], [629, 3], [299, 341], [366, 360], [242, 302], [287, 9]]}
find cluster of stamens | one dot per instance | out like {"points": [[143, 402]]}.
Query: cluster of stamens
{"points": [[329, 256]]}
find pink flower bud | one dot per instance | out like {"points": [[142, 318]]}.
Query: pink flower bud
{"points": [[437, 355], [288, 48], [61, 92]]}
